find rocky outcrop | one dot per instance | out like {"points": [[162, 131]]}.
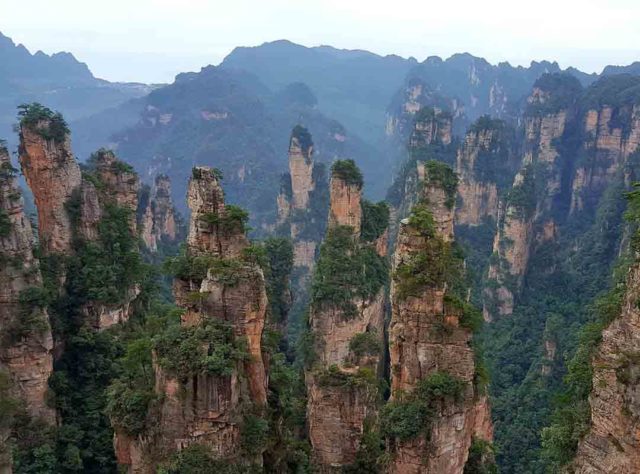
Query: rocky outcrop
{"points": [[158, 221], [300, 167], [484, 166], [430, 335], [612, 444], [348, 335], [47, 160], [532, 200], [221, 287], [25, 334], [298, 205], [611, 135], [431, 125], [345, 206]]}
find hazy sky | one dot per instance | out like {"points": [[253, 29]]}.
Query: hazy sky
{"points": [[152, 40]]}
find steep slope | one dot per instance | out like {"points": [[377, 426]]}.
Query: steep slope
{"points": [[226, 118], [468, 87], [437, 408], [611, 444], [207, 393], [158, 220], [354, 87], [346, 325], [26, 343]]}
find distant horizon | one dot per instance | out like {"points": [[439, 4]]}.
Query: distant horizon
{"points": [[151, 41], [197, 68]]}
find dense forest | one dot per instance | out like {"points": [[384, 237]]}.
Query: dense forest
{"points": [[282, 318]]}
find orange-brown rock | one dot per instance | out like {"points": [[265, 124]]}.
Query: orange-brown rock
{"points": [[53, 175], [206, 408], [612, 444], [425, 337], [210, 231], [120, 180], [25, 347], [345, 203], [336, 408], [301, 171], [513, 242]]}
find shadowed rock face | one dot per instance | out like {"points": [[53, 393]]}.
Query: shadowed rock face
{"points": [[425, 337], [612, 444], [336, 412], [25, 346], [484, 162], [159, 216], [53, 175], [527, 201], [207, 408]]}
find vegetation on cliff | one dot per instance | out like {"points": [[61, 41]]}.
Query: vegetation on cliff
{"points": [[43, 121], [346, 272], [348, 171]]}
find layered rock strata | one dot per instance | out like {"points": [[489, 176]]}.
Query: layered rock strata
{"points": [[348, 338], [207, 407], [429, 336], [159, 222], [25, 334]]}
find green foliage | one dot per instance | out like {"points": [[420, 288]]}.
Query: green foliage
{"points": [[34, 115], [348, 171], [370, 457], [334, 377], [233, 219], [346, 271], [522, 197], [441, 175], [562, 90], [31, 318], [253, 434], [613, 91], [279, 258], [209, 347], [481, 458], [7, 170], [128, 407], [199, 459], [303, 136], [470, 316], [411, 415], [108, 268], [375, 220], [366, 344], [5, 224], [204, 173], [437, 264]]}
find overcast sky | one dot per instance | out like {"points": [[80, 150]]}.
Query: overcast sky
{"points": [[152, 40]]}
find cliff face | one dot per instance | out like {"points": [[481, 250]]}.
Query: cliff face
{"points": [[25, 335], [611, 134], [429, 337], [348, 335], [484, 165], [159, 215], [46, 161], [612, 444], [527, 212], [345, 204], [70, 212], [206, 405]]}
